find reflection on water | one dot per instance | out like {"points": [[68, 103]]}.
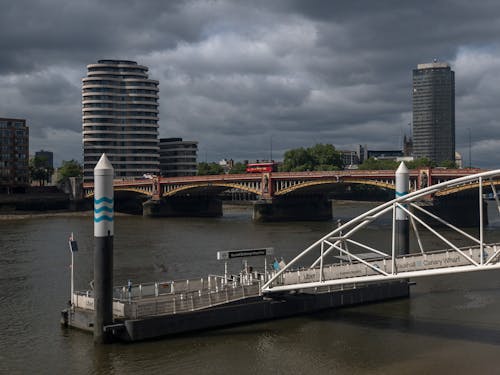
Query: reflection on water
{"points": [[450, 324]]}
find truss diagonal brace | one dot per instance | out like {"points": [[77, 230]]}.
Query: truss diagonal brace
{"points": [[360, 260], [438, 235]]}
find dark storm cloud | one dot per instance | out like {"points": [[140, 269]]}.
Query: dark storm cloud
{"points": [[234, 74], [66, 32]]}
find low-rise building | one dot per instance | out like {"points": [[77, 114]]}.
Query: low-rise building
{"points": [[349, 158], [364, 154], [178, 157], [46, 159]]}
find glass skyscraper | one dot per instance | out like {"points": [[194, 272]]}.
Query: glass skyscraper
{"points": [[120, 118], [434, 112]]}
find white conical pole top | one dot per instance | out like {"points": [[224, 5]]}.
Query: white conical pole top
{"points": [[402, 169], [402, 183], [103, 198], [103, 167]]}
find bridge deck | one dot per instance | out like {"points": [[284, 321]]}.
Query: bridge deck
{"points": [[381, 268]]}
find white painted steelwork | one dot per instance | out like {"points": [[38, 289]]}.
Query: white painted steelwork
{"points": [[389, 266]]}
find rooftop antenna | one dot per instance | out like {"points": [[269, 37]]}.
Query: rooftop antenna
{"points": [[401, 140]]}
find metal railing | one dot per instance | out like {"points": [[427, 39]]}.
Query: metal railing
{"points": [[190, 301], [173, 297]]}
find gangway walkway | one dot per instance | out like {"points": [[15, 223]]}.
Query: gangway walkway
{"points": [[384, 264], [381, 268]]}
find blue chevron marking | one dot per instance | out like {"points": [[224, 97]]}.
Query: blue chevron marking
{"points": [[398, 194], [101, 218], [103, 199], [103, 208]]}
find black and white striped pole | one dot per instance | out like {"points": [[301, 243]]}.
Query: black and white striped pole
{"points": [[402, 223], [103, 249]]}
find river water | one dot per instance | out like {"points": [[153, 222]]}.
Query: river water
{"points": [[451, 324]]}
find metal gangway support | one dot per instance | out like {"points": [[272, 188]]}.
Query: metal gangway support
{"points": [[343, 258]]}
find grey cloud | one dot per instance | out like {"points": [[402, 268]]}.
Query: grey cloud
{"points": [[233, 74]]}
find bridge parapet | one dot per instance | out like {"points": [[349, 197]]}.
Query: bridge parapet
{"points": [[269, 185]]}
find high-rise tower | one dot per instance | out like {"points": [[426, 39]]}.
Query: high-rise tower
{"points": [[120, 118], [434, 112], [14, 151]]}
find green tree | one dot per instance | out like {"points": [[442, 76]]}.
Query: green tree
{"points": [[296, 160], [69, 168], [375, 164], [238, 168], [325, 157], [39, 170], [321, 157], [420, 163], [209, 169], [448, 164]]}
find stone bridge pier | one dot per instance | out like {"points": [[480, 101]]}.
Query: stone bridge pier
{"points": [[293, 208], [289, 207], [191, 206]]}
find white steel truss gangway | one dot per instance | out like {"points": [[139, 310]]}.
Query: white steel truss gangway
{"points": [[352, 260]]}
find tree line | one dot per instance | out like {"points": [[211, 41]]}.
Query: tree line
{"points": [[324, 157], [41, 172]]}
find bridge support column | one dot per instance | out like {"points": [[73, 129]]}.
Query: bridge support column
{"points": [[459, 209], [193, 206], [307, 208]]}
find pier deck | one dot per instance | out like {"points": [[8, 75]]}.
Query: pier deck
{"points": [[174, 297], [144, 311]]}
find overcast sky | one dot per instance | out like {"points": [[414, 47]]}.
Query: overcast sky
{"points": [[237, 76]]}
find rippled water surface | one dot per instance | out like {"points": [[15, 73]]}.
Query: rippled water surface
{"points": [[449, 325]]}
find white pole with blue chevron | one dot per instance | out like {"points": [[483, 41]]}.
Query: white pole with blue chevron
{"points": [[103, 198], [402, 224], [103, 249]]}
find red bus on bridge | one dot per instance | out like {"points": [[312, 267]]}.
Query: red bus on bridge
{"points": [[262, 167]]}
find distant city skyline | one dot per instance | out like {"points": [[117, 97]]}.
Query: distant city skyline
{"points": [[234, 75]]}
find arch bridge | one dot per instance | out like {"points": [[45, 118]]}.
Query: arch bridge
{"points": [[282, 184]]}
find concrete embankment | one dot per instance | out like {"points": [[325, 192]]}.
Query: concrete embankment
{"points": [[39, 200]]}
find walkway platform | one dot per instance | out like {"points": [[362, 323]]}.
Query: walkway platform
{"points": [[379, 268], [154, 317], [181, 296]]}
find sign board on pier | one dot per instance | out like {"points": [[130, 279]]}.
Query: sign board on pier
{"points": [[230, 254]]}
